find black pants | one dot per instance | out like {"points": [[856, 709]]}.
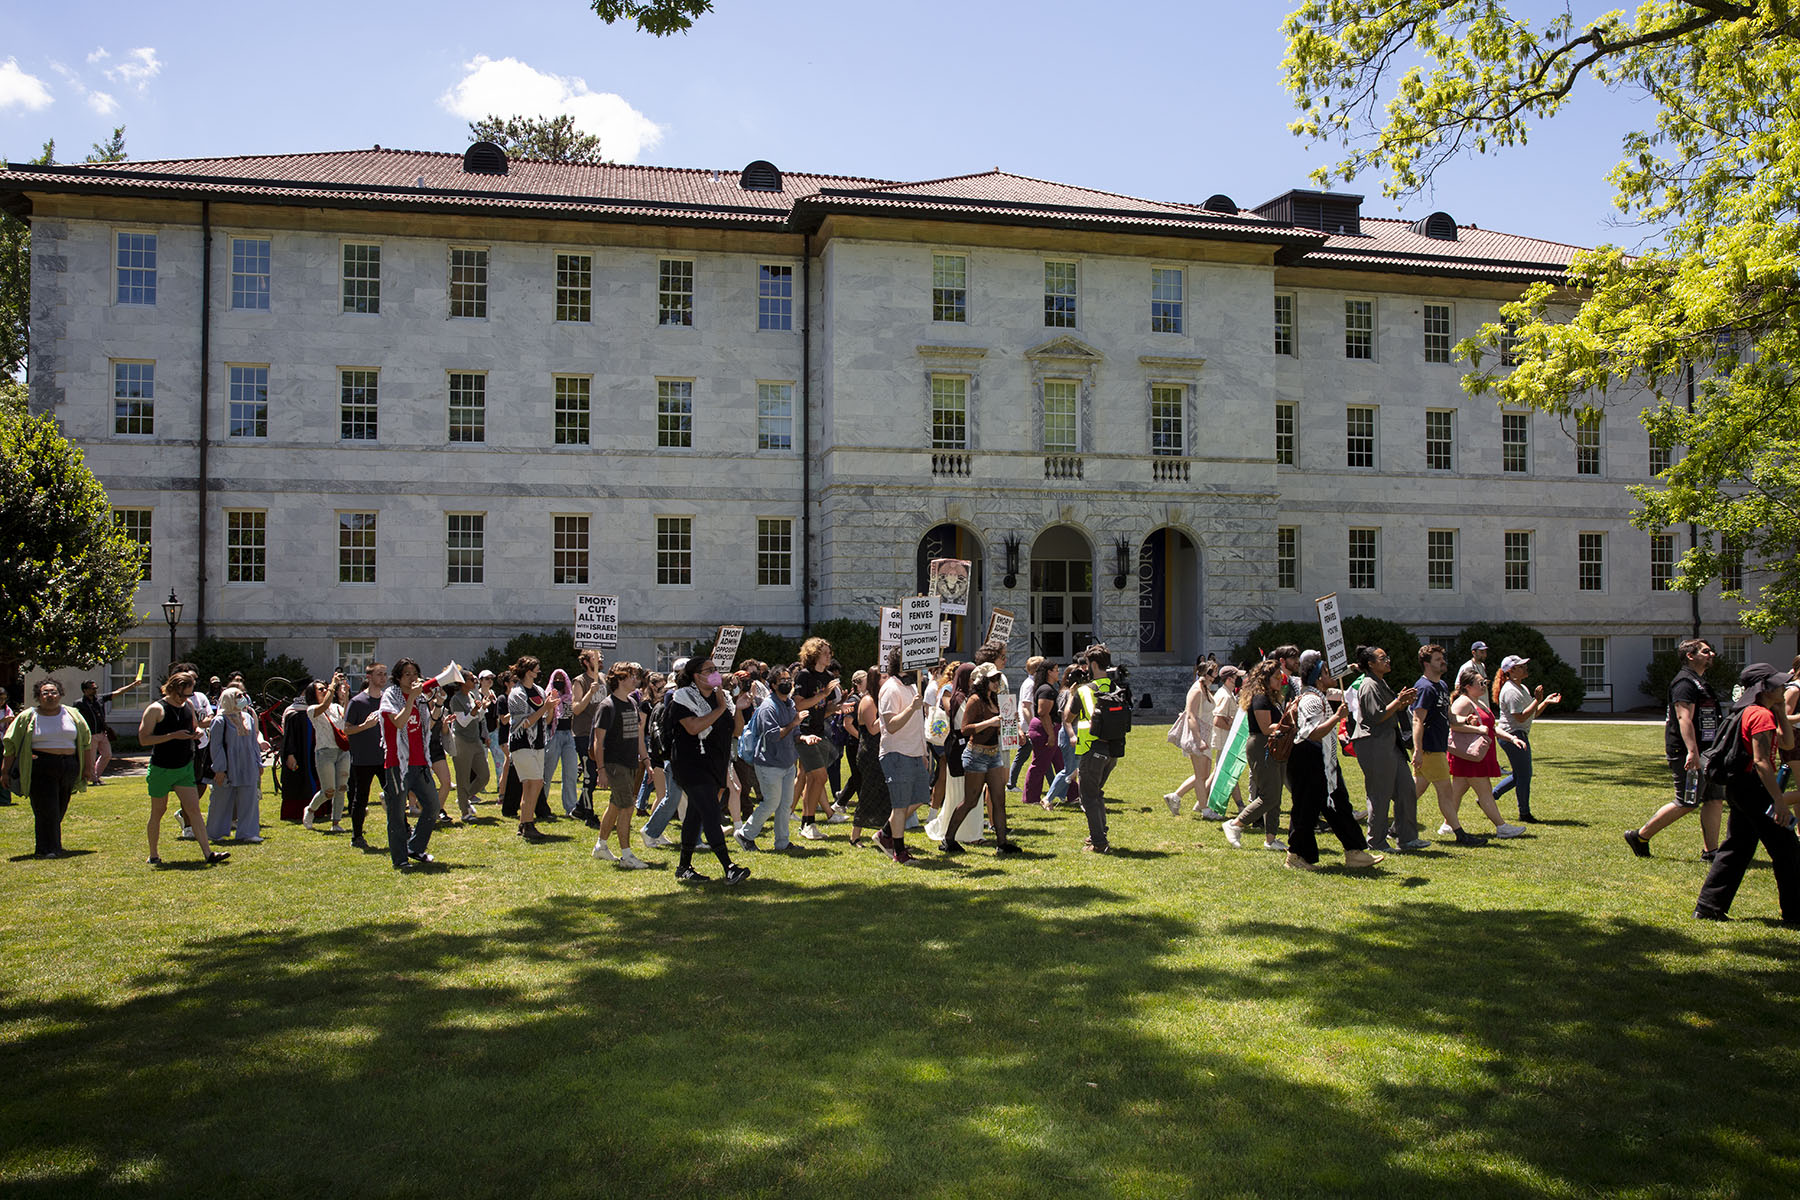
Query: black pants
{"points": [[1091, 769], [1309, 800], [362, 778], [703, 799], [1747, 823], [52, 784]]}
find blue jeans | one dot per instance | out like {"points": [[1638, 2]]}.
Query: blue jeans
{"points": [[665, 811], [1059, 787], [777, 787], [1519, 758], [396, 782], [560, 749]]}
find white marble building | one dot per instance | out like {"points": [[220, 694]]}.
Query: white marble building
{"points": [[375, 403]]}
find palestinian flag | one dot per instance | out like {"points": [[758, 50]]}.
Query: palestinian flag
{"points": [[1230, 764]]}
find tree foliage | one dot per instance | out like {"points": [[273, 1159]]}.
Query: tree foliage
{"points": [[659, 18], [68, 587], [1401, 643], [551, 647], [550, 139], [1515, 637], [1715, 176], [217, 656]]}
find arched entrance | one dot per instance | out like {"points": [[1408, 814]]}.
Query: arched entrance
{"points": [[1062, 592], [957, 541], [1170, 615]]}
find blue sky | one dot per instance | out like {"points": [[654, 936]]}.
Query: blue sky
{"points": [[1175, 103]]}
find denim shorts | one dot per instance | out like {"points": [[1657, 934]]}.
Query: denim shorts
{"points": [[908, 780], [977, 760]]}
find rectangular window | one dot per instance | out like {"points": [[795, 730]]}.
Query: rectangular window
{"points": [[1363, 553], [362, 278], [675, 551], [1661, 457], [1735, 648], [1059, 294], [1359, 329], [249, 395], [1359, 436], [465, 547], [1168, 411], [1731, 568], [1662, 561], [124, 669], [134, 398], [1440, 560], [246, 546], [356, 547], [569, 549], [1284, 324], [575, 288], [250, 273], [1509, 344], [675, 414], [1590, 562], [135, 524], [774, 416], [137, 268], [357, 395], [1518, 560], [1287, 558], [774, 552], [1515, 442], [1593, 662], [1440, 439], [468, 282], [775, 297], [1664, 644], [572, 409], [1437, 333], [1060, 425], [468, 407], [949, 288], [1284, 435], [1587, 444], [1166, 299], [353, 658], [949, 412], [674, 291]]}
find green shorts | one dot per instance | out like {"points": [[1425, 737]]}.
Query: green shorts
{"points": [[621, 785], [163, 781]]}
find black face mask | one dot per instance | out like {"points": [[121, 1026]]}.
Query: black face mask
{"points": [[783, 687]]}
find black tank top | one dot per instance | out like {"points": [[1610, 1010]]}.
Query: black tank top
{"points": [[176, 716]]}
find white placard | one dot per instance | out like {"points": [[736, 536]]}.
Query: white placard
{"points": [[943, 635], [1333, 631], [949, 580], [918, 632], [596, 621], [726, 646], [1009, 732], [890, 634], [1000, 625]]}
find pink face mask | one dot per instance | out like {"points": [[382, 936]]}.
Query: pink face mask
{"points": [[714, 679]]}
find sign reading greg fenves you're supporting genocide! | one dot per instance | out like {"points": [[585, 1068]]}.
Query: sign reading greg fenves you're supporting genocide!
{"points": [[918, 632]]}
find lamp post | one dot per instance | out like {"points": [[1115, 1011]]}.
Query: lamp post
{"points": [[172, 613]]}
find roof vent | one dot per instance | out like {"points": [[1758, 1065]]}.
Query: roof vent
{"points": [[1219, 202], [1439, 225], [1328, 212], [484, 158], [760, 176]]}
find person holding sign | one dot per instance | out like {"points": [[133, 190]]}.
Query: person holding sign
{"points": [[1315, 776], [903, 761], [705, 725]]}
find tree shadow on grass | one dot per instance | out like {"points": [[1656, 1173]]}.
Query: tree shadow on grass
{"points": [[876, 1038]]}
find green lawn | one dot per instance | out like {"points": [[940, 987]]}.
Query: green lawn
{"points": [[1539, 1017]]}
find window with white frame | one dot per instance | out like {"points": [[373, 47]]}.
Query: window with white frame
{"points": [[353, 658], [1587, 444], [1359, 329], [1593, 663], [1363, 548], [1284, 435], [1437, 333], [1509, 343], [774, 552], [1284, 323], [575, 288], [1517, 560], [1359, 437], [950, 288], [124, 669], [674, 291], [774, 297], [1731, 566], [1590, 562], [1440, 439], [250, 273], [1168, 424], [465, 547], [1440, 560], [949, 412], [674, 551], [1661, 457], [135, 523], [774, 416], [1515, 442], [356, 547], [468, 282], [134, 398], [675, 414], [358, 393], [1287, 557], [1167, 299], [1060, 280], [362, 277], [1734, 650], [569, 548], [1662, 562], [1061, 426], [1664, 643], [246, 545], [468, 406], [136, 268], [572, 416], [248, 410]]}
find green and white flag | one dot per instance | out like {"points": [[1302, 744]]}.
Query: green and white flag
{"points": [[1231, 762]]}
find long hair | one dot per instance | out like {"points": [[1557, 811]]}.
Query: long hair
{"points": [[810, 651], [527, 663], [563, 689], [1500, 678], [1262, 683]]}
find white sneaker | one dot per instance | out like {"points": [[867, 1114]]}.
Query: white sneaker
{"points": [[603, 852], [1277, 844], [306, 819], [337, 827], [1234, 833], [186, 835], [657, 843], [1174, 803], [632, 862], [811, 833], [838, 810], [1508, 831], [838, 816], [1444, 830], [1207, 814]]}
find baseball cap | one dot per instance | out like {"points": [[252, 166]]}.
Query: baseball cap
{"points": [[485, 675], [1761, 677], [1513, 660], [1478, 646], [678, 666]]}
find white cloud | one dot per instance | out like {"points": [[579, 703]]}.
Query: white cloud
{"points": [[97, 54], [19, 88], [506, 87], [136, 69], [102, 103]]}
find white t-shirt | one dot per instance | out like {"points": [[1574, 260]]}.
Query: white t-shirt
{"points": [[1224, 704], [53, 732], [203, 717], [323, 723], [908, 737], [1514, 700]]}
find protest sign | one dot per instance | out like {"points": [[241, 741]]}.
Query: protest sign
{"points": [[918, 632], [1000, 625], [944, 634], [949, 579], [726, 646], [596, 621], [1333, 631], [890, 634]]}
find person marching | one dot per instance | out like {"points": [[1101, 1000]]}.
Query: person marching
{"points": [[1760, 811]]}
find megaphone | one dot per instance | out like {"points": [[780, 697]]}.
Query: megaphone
{"points": [[451, 676]]}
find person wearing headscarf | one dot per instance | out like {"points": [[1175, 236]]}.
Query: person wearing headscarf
{"points": [[236, 801], [1315, 778], [559, 746]]}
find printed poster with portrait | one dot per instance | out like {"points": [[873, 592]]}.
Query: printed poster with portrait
{"points": [[949, 580]]}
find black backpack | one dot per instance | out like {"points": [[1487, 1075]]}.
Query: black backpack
{"points": [[1112, 716], [662, 730], [1728, 756]]}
